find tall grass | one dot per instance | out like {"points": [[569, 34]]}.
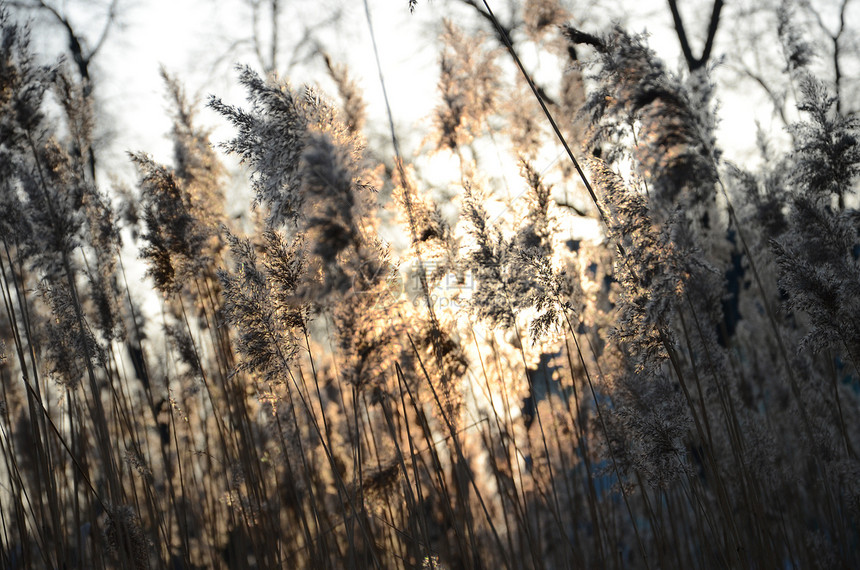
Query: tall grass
{"points": [[679, 392]]}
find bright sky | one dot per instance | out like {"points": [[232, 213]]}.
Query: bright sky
{"points": [[187, 37], [192, 39]]}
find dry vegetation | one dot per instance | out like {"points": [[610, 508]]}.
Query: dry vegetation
{"points": [[680, 392]]}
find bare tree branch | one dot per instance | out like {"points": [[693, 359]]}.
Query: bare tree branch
{"points": [[777, 99], [81, 57], [269, 54], [109, 21], [693, 62], [76, 45], [835, 38]]}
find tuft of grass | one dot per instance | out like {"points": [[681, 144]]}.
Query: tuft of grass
{"points": [[680, 391]]}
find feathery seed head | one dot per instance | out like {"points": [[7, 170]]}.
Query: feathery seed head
{"points": [[125, 538]]}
